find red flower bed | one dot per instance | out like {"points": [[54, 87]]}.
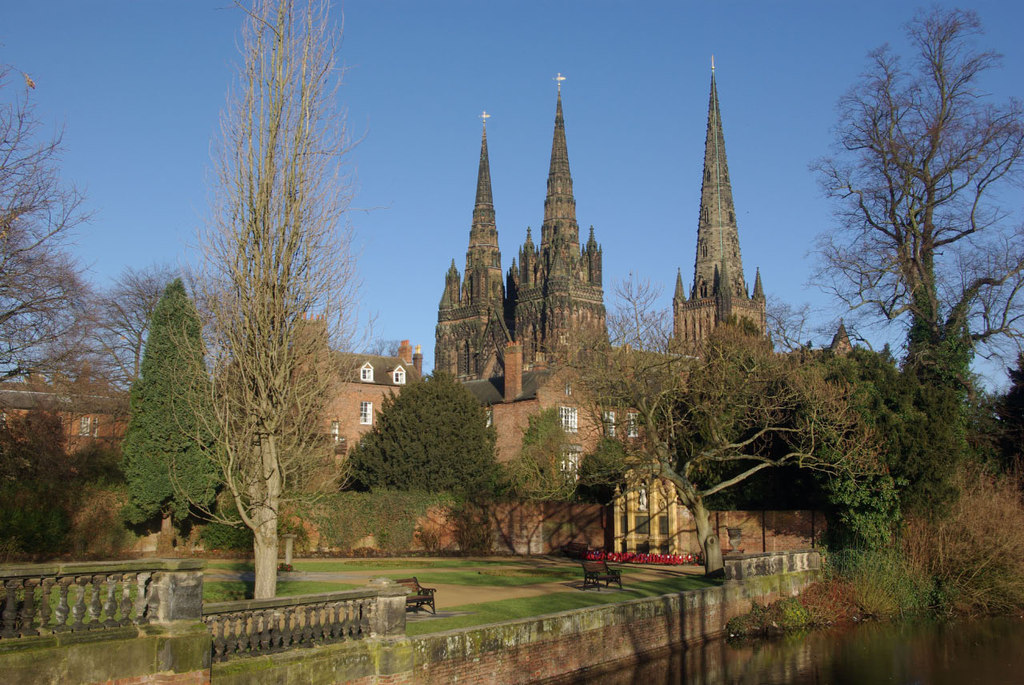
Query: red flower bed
{"points": [[646, 558]]}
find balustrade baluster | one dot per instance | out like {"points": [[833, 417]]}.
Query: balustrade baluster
{"points": [[153, 596], [95, 603], [110, 606], [44, 604], [26, 624], [276, 637], [239, 632], [330, 616], [265, 629], [78, 610], [307, 628], [219, 643], [126, 598], [10, 612], [62, 610]]}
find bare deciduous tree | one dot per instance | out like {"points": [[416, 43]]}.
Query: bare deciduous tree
{"points": [[708, 421], [41, 291], [923, 155], [119, 321], [279, 272]]}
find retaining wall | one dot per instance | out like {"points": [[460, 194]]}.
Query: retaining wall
{"points": [[538, 648]]}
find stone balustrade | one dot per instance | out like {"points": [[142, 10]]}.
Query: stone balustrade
{"points": [[47, 599], [251, 627]]}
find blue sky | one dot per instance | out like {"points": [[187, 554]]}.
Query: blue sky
{"points": [[138, 86]]}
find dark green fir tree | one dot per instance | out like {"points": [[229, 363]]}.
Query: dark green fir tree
{"points": [[166, 462], [433, 436]]}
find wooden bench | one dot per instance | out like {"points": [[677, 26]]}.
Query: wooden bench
{"points": [[418, 596], [596, 571], [576, 550]]}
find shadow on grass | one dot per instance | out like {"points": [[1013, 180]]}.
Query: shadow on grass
{"points": [[527, 607], [233, 590]]}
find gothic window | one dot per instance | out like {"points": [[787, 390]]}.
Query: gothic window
{"points": [[366, 373], [366, 413], [398, 376], [704, 249], [568, 388], [569, 418]]}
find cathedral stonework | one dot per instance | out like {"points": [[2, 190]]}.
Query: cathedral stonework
{"points": [[552, 293], [719, 293], [551, 302]]}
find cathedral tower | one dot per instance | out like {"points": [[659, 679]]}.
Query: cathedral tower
{"points": [[470, 319], [719, 293], [554, 292]]}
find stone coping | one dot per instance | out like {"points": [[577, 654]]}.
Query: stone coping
{"points": [[275, 602], [98, 567]]}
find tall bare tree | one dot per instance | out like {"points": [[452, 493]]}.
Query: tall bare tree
{"points": [[119, 321], [279, 272], [923, 157], [708, 419], [41, 291]]}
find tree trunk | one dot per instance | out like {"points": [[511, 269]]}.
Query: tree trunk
{"points": [[708, 540], [165, 539], [264, 547]]}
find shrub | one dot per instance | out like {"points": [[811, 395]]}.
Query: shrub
{"points": [[882, 583], [220, 536], [975, 553]]}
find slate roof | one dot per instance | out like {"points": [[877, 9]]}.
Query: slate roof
{"points": [[492, 390]]}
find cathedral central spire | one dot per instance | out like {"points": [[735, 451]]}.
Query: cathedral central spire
{"points": [[717, 234], [560, 205]]}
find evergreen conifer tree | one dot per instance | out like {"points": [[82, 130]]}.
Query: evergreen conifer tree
{"points": [[433, 436], [165, 447]]}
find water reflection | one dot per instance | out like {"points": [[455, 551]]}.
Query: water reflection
{"points": [[988, 651]]}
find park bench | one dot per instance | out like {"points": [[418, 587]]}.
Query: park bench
{"points": [[596, 571], [576, 550], [418, 596]]}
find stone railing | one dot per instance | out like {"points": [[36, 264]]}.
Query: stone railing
{"points": [[46, 599], [743, 566], [263, 626], [252, 627]]}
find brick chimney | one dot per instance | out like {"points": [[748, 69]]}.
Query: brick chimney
{"points": [[417, 360], [405, 352], [513, 371]]}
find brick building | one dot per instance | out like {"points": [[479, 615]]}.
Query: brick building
{"points": [[89, 413], [364, 381]]}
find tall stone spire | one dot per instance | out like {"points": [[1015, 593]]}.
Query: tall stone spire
{"points": [[717, 233], [719, 294], [560, 205], [484, 231], [483, 259]]}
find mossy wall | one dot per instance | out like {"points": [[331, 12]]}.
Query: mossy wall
{"points": [[168, 653]]}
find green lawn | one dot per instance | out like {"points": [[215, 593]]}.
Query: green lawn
{"points": [[511, 609], [501, 577], [231, 590], [342, 565]]}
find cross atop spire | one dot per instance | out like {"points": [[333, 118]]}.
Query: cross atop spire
{"points": [[485, 116], [558, 80]]}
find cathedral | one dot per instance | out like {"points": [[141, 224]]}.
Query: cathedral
{"points": [[552, 296]]}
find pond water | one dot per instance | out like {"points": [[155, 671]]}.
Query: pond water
{"points": [[989, 651]]}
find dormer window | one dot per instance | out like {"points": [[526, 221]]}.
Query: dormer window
{"points": [[398, 376], [366, 373]]}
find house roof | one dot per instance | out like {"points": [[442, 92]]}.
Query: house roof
{"points": [[25, 397], [492, 390], [350, 363]]}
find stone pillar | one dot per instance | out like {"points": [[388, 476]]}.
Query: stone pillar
{"points": [[179, 590], [513, 371], [289, 547], [388, 618]]}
